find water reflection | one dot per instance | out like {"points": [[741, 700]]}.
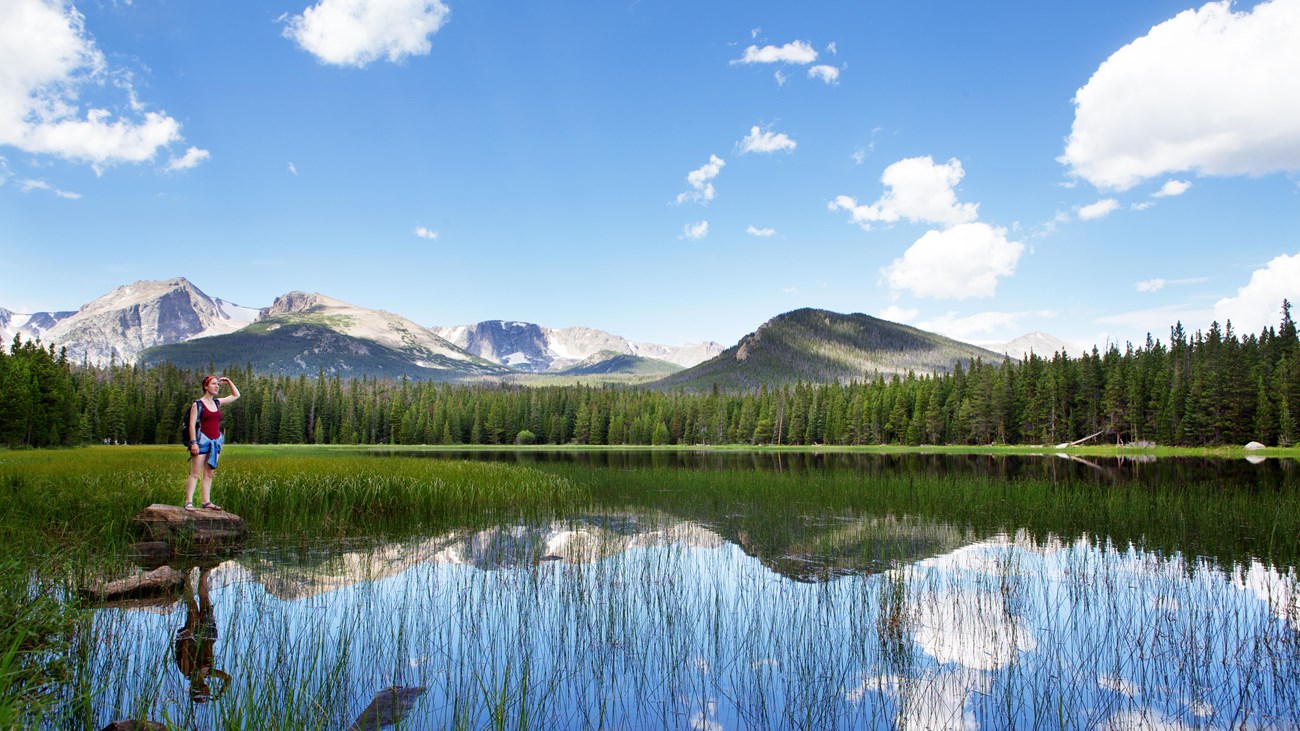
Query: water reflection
{"points": [[195, 642], [644, 620]]}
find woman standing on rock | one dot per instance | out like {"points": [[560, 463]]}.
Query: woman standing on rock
{"points": [[205, 438]]}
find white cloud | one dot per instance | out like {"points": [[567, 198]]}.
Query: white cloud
{"points": [[780, 77], [894, 313], [190, 159], [46, 61], [1142, 205], [695, 231], [1259, 303], [1100, 209], [759, 140], [831, 49], [963, 261], [425, 233], [357, 32], [796, 52], [701, 181], [29, 185], [1172, 188], [829, 74], [1151, 285], [970, 327], [1210, 90], [791, 290], [293, 168], [753, 231], [918, 190]]}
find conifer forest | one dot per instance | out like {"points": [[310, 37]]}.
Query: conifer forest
{"points": [[1209, 388]]}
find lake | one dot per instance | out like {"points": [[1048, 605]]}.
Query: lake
{"points": [[730, 590]]}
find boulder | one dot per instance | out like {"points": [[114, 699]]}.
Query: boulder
{"points": [[1254, 445], [203, 530]]}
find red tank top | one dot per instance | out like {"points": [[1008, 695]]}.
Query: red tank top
{"points": [[210, 422]]}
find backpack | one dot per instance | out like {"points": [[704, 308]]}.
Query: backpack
{"points": [[185, 426]]}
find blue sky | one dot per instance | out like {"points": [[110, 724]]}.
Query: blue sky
{"points": [[669, 171]]}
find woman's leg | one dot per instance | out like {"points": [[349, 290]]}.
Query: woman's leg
{"points": [[196, 469], [207, 482]]}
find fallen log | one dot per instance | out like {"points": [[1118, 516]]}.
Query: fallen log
{"points": [[388, 707]]}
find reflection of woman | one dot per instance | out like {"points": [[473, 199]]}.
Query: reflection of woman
{"points": [[205, 438], [194, 643]]}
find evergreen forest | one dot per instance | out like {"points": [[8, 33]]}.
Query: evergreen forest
{"points": [[1209, 388]]}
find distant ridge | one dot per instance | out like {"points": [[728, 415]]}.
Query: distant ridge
{"points": [[305, 332], [819, 346]]}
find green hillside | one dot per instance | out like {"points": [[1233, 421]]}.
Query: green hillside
{"points": [[608, 362], [823, 347]]}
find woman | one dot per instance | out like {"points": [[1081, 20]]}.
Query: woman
{"points": [[206, 439]]}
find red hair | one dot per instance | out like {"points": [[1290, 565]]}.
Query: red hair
{"points": [[208, 380]]}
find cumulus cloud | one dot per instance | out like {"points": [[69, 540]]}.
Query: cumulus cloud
{"points": [[47, 61], [190, 159], [1151, 285], [695, 231], [701, 181], [426, 233], [760, 140], [829, 74], [1100, 209], [1210, 90], [919, 191], [968, 328], [1172, 188], [1259, 304], [764, 232], [960, 262], [796, 52], [358, 32]]}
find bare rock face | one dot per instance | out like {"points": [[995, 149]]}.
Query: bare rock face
{"points": [[198, 529]]}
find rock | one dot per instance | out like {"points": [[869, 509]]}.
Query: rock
{"points": [[201, 529], [1254, 445], [134, 726], [150, 553], [162, 581], [388, 707]]}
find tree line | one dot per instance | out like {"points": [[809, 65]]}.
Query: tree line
{"points": [[1205, 389]]}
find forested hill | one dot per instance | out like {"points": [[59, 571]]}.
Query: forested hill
{"points": [[818, 346]]}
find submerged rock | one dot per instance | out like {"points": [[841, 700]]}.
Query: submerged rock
{"points": [[388, 707], [134, 726]]}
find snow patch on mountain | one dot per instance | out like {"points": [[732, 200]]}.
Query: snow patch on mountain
{"points": [[529, 347]]}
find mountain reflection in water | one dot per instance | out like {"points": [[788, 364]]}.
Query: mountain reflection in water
{"points": [[643, 620]]}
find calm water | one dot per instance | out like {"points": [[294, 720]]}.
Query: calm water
{"points": [[639, 615]]}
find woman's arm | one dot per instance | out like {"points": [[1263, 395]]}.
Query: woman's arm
{"points": [[194, 415], [234, 392]]}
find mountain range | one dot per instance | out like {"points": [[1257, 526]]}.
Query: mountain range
{"points": [[151, 322]]}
